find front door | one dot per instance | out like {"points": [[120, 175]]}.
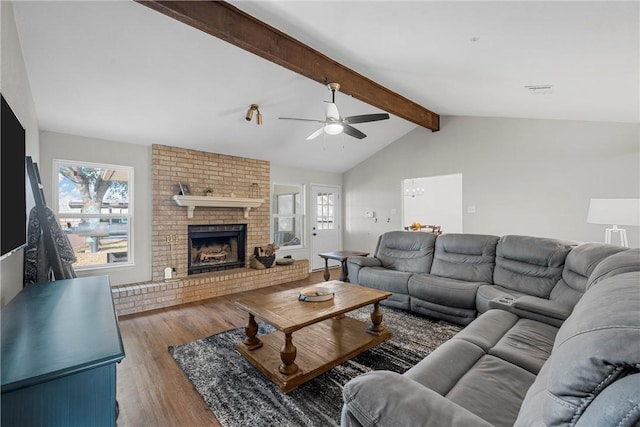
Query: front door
{"points": [[326, 218]]}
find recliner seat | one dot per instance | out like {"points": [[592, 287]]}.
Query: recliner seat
{"points": [[461, 264], [398, 256]]}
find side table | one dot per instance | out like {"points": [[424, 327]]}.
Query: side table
{"points": [[341, 256]]}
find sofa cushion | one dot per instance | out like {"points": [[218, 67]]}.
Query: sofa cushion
{"points": [[578, 266], [440, 371], [493, 380], [469, 257], [385, 279], [406, 251], [597, 345], [530, 413], [527, 344], [357, 263], [441, 290], [486, 330], [531, 265], [621, 262], [457, 315], [523, 342], [384, 398]]}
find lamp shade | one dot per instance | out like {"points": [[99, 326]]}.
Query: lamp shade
{"points": [[614, 211]]}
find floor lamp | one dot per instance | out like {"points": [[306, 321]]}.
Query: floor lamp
{"points": [[614, 212]]}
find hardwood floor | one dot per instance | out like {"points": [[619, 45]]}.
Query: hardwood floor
{"points": [[152, 389]]}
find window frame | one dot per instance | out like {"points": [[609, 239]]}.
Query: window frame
{"points": [[129, 216], [296, 217]]}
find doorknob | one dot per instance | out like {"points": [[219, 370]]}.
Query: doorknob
{"points": [[315, 234]]}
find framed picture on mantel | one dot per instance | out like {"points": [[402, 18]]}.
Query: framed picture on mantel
{"points": [[183, 189]]}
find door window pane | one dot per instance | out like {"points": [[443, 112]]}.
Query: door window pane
{"points": [[325, 211]]}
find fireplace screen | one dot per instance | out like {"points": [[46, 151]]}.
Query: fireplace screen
{"points": [[216, 247]]}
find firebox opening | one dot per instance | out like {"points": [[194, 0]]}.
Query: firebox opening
{"points": [[216, 247]]}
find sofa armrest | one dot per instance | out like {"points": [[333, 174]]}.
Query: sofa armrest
{"points": [[357, 263], [364, 261], [384, 398], [542, 306]]}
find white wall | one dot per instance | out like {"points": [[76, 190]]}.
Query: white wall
{"points": [[71, 147], [531, 177], [14, 85], [287, 175]]}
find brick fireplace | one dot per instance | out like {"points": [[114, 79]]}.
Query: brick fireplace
{"points": [[228, 176], [216, 247]]}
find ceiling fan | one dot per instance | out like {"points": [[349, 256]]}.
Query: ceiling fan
{"points": [[334, 124]]}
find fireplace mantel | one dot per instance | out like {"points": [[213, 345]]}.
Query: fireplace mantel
{"points": [[191, 202]]}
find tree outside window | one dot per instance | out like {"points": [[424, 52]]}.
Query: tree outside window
{"points": [[94, 204]]}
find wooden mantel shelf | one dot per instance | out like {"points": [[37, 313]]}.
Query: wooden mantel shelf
{"points": [[217, 202]]}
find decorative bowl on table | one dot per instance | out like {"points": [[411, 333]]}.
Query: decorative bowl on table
{"points": [[315, 294]]}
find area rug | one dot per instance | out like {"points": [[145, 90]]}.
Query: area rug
{"points": [[240, 395]]}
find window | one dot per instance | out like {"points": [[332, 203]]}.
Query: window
{"points": [[94, 205], [288, 215]]}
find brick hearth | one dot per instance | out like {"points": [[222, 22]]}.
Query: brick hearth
{"points": [[226, 175], [146, 296]]}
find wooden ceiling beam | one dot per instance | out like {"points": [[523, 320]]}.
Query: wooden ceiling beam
{"points": [[226, 22]]}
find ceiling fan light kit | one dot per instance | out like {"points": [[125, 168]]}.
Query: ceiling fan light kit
{"points": [[333, 128], [334, 124]]}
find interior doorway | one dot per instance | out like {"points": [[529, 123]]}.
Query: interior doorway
{"points": [[434, 200]]}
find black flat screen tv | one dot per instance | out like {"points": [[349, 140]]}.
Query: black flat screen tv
{"points": [[13, 215]]}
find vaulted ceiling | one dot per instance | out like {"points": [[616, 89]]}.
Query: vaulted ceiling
{"points": [[119, 70]]}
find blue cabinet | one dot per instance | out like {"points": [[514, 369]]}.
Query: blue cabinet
{"points": [[60, 346]]}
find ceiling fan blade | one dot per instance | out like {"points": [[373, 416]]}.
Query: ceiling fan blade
{"points": [[332, 111], [316, 133], [365, 118], [302, 120], [351, 131]]}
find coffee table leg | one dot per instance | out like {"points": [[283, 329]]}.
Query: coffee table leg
{"points": [[376, 320], [288, 355], [251, 341]]}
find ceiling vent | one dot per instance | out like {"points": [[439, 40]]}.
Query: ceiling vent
{"points": [[540, 89]]}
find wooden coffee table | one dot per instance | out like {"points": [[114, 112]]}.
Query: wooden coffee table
{"points": [[325, 337]]}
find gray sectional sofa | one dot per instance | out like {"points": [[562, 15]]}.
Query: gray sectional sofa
{"points": [[522, 367], [455, 277]]}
